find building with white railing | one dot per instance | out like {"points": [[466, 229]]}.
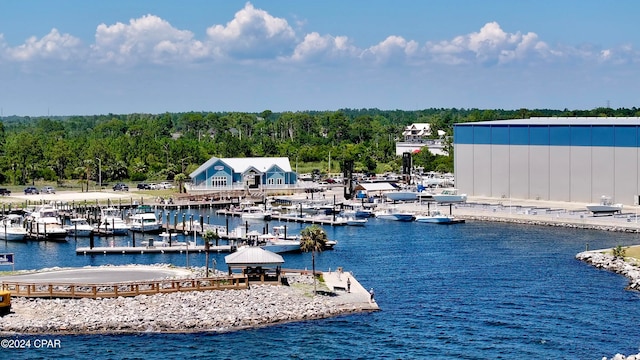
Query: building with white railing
{"points": [[227, 174]]}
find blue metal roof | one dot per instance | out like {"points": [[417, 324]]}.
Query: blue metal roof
{"points": [[590, 121]]}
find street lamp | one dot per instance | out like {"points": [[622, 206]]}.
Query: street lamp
{"points": [[99, 173]]}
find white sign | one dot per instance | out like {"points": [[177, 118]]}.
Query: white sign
{"points": [[6, 259]]}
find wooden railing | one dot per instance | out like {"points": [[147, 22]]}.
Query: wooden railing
{"points": [[68, 290]]}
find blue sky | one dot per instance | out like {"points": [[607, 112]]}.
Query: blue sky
{"points": [[78, 57]]}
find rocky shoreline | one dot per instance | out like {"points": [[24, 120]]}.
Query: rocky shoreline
{"points": [[602, 260], [202, 311], [566, 224]]}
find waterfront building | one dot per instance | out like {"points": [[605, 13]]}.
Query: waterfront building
{"points": [[417, 136], [574, 159], [257, 173]]}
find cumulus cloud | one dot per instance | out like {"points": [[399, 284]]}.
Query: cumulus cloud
{"points": [[253, 33], [490, 45], [53, 46], [148, 38], [317, 47], [392, 49]]}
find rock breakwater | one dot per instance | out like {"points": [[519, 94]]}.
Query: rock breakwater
{"points": [[218, 310], [554, 223], [603, 260]]}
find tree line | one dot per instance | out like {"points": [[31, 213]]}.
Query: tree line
{"points": [[138, 147]]}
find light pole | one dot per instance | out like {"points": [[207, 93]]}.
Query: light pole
{"points": [[99, 173], [329, 172], [297, 164]]}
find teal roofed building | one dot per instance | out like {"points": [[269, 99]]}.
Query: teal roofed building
{"points": [[260, 173]]}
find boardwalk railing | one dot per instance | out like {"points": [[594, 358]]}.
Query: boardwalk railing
{"points": [[67, 290]]}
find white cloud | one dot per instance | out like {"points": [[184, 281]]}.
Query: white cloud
{"points": [[53, 46], [392, 49], [148, 38], [253, 33], [490, 44], [329, 48]]}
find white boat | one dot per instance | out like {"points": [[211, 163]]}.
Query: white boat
{"points": [[12, 229], [255, 213], [606, 206], [111, 221], [45, 223], [79, 227], [435, 217], [402, 195], [352, 221], [272, 242], [393, 214], [449, 195], [145, 222]]}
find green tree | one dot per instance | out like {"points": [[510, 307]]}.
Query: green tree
{"points": [[313, 238]]}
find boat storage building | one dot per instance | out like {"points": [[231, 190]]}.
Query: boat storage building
{"points": [[557, 159]]}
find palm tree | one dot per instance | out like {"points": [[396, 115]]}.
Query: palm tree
{"points": [[207, 237], [313, 238], [180, 178]]}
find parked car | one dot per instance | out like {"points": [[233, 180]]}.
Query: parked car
{"points": [[166, 185], [5, 192], [143, 186], [31, 190], [48, 190], [120, 187]]}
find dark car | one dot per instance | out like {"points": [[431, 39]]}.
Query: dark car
{"points": [[5, 192], [31, 190], [120, 187], [143, 186]]}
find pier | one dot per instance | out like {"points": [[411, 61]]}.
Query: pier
{"points": [[110, 250]]}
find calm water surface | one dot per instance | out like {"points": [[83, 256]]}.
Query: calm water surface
{"points": [[471, 291]]}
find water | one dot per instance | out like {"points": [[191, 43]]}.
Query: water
{"points": [[471, 291]]}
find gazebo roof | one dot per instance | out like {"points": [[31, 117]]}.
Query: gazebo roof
{"points": [[253, 256]]}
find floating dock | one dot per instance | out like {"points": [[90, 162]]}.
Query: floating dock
{"points": [[107, 250]]}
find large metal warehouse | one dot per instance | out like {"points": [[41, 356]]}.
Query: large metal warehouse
{"points": [[559, 159]]}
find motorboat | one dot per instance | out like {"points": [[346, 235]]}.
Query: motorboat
{"points": [[45, 223], [449, 195], [393, 214], [146, 222], [78, 227], [111, 221], [436, 217], [353, 221], [402, 195], [272, 242], [12, 229], [255, 213], [606, 206]]}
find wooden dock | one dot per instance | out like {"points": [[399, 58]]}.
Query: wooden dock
{"points": [[289, 218], [110, 250]]}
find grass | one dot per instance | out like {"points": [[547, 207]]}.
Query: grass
{"points": [[632, 251]]}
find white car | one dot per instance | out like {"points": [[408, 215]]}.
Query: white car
{"points": [[165, 185]]}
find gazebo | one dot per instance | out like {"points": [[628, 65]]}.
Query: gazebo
{"points": [[256, 263]]}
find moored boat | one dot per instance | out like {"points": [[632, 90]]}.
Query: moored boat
{"points": [[111, 221], [12, 229], [145, 221], [78, 227], [44, 223], [393, 214], [437, 217], [352, 221]]}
